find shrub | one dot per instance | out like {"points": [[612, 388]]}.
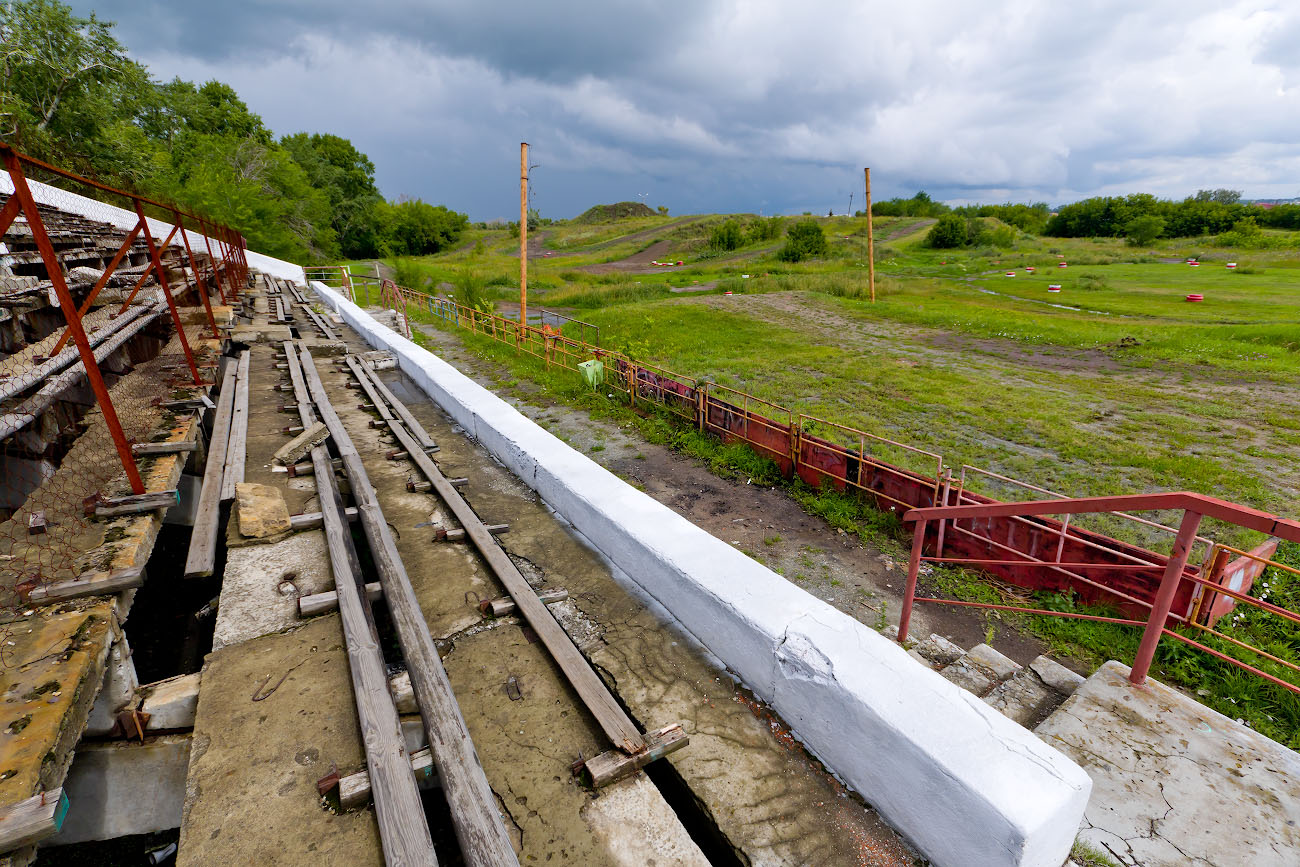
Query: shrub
{"points": [[806, 239], [951, 231], [726, 236], [764, 229]]}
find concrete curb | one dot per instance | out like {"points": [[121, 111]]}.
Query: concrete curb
{"points": [[966, 785]]}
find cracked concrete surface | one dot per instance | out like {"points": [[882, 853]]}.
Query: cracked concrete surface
{"points": [[1174, 782]]}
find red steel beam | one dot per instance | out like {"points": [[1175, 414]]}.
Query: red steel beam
{"points": [[167, 293], [8, 213], [198, 277], [100, 284], [24, 195]]}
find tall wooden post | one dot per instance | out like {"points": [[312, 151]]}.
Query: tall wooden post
{"points": [[523, 238], [871, 243]]}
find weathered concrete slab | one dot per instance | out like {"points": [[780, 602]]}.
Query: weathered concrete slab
{"points": [[629, 815], [119, 788], [251, 791], [1174, 782], [261, 510], [53, 668], [262, 583]]}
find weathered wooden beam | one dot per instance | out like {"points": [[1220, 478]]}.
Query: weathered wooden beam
{"points": [[89, 584], [403, 828], [328, 600], [312, 520], [34, 819], [354, 789], [367, 368], [202, 556], [613, 766], [233, 471], [311, 436], [475, 814], [457, 535], [134, 504], [164, 448], [503, 607]]}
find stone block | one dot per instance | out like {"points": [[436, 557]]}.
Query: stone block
{"points": [[1057, 676], [262, 511]]}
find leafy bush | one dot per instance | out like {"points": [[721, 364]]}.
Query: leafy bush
{"points": [[951, 231], [806, 239], [764, 229], [726, 236]]}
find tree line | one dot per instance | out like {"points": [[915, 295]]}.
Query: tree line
{"points": [[71, 95]]}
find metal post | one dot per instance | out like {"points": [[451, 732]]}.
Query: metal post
{"points": [[212, 260], [167, 293], [871, 245], [913, 569], [523, 236], [1165, 596], [200, 283], [55, 269]]}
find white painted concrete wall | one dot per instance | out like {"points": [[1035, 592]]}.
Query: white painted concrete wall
{"points": [[95, 210], [966, 785]]}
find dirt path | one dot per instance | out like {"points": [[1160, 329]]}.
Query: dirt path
{"points": [[862, 581], [910, 229]]}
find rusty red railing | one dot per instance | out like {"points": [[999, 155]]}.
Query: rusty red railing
{"points": [[1173, 573], [230, 268]]}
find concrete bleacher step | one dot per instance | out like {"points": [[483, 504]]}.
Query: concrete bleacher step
{"points": [[1025, 694], [980, 670]]}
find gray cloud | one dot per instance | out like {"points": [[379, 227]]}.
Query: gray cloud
{"points": [[758, 104]]}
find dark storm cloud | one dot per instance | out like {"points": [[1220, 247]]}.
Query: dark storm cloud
{"points": [[762, 104]]}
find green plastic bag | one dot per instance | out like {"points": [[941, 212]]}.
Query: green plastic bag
{"points": [[593, 371]]}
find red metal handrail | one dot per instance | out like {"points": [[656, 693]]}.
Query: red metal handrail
{"points": [[1194, 507]]}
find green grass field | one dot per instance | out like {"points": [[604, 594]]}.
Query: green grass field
{"points": [[1117, 384]]}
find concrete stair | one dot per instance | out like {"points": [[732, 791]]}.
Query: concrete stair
{"points": [[1025, 694]]}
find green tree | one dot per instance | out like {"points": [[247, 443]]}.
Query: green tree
{"points": [[950, 231], [1141, 231], [347, 177], [412, 227], [805, 240]]}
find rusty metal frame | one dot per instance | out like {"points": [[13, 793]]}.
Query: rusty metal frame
{"points": [[55, 270]]}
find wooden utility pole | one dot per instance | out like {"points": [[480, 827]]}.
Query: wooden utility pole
{"points": [[871, 243], [523, 238]]}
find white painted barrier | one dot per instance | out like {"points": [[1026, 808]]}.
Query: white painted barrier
{"points": [[962, 782]]}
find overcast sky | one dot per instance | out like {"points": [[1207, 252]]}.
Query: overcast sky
{"points": [[749, 105]]}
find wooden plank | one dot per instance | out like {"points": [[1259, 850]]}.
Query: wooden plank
{"points": [[412, 424], [612, 766], [141, 449], [202, 556], [233, 472], [354, 789], [319, 603], [475, 815], [89, 584], [457, 535], [34, 819], [312, 520], [504, 607], [136, 503], [622, 731], [403, 829]]}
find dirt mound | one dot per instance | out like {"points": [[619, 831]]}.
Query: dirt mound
{"points": [[617, 211]]}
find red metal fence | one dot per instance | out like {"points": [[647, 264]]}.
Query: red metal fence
{"points": [[94, 282]]}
